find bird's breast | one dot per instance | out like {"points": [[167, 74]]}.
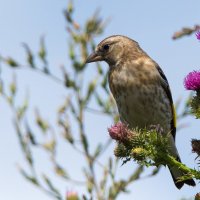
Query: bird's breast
{"points": [[140, 98]]}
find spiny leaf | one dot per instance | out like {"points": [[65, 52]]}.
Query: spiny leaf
{"points": [[195, 105]]}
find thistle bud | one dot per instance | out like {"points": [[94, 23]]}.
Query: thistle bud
{"points": [[120, 151]]}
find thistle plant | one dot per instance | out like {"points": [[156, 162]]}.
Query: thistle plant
{"points": [[99, 179], [192, 82], [146, 147]]}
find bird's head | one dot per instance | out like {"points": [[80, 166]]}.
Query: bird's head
{"points": [[115, 49]]}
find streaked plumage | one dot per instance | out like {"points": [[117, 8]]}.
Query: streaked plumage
{"points": [[140, 89]]}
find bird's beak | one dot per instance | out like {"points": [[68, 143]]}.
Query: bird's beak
{"points": [[93, 58]]}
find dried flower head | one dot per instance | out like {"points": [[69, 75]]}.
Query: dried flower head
{"points": [[196, 146], [198, 35], [197, 196], [119, 132], [192, 81]]}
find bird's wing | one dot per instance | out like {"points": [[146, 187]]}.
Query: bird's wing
{"points": [[166, 88]]}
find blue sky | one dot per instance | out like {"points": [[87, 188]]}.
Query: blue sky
{"points": [[151, 23]]}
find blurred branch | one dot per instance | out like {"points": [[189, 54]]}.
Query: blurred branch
{"points": [[186, 31]]}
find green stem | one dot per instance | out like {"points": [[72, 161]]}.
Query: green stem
{"points": [[171, 161]]}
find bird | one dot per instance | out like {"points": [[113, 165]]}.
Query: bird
{"points": [[140, 89]]}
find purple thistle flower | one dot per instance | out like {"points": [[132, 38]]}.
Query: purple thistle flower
{"points": [[119, 132], [198, 35], [192, 81]]}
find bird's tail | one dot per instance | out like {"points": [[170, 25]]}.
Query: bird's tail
{"points": [[176, 173]]}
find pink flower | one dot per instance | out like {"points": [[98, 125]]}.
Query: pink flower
{"points": [[198, 35], [71, 195], [119, 132], [192, 81]]}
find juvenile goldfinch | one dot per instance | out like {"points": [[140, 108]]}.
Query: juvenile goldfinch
{"points": [[141, 90]]}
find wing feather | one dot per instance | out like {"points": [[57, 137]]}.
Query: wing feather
{"points": [[166, 87]]}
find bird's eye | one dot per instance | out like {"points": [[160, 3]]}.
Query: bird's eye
{"points": [[106, 47]]}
